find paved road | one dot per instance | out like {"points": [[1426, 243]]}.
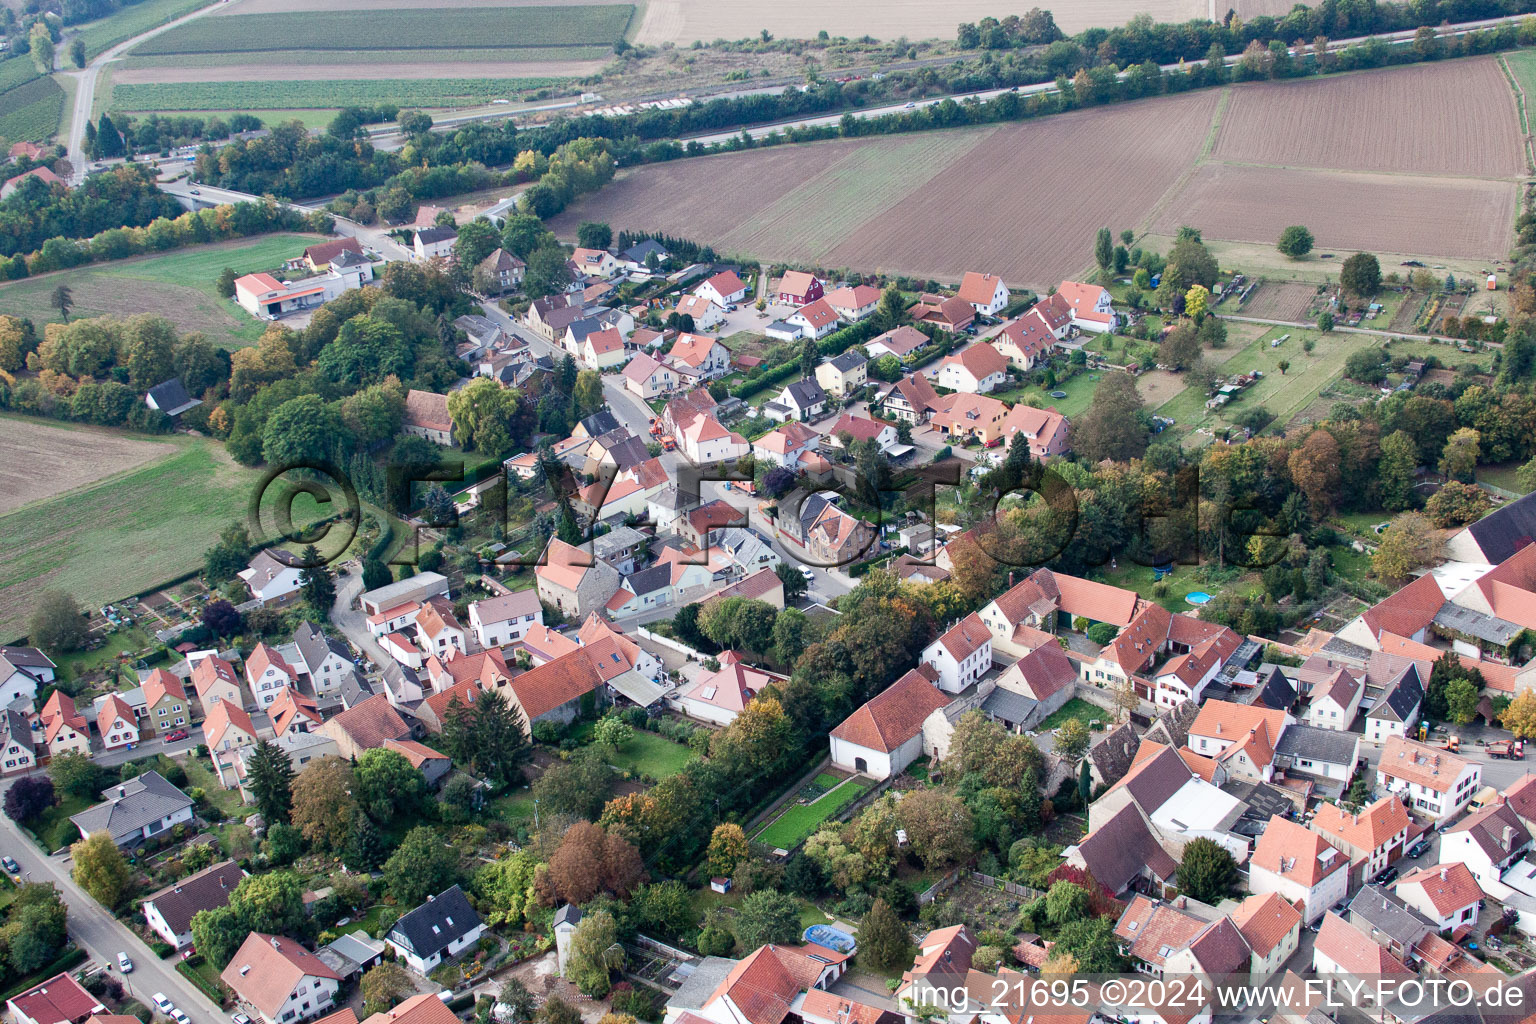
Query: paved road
{"points": [[375, 238], [85, 87], [101, 935]]}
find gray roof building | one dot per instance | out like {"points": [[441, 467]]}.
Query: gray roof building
{"points": [[136, 809], [1309, 743], [171, 398], [1401, 698], [437, 923]]}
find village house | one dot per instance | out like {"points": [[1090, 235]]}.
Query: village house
{"points": [[820, 533], [17, 753], [719, 696], [961, 655], [801, 400], [701, 354], [278, 981], [886, 733], [1397, 709], [59, 1000], [267, 298], [901, 342], [1436, 783], [784, 446], [985, 292], [440, 928], [1299, 865], [502, 268], [798, 288], [961, 416], [1272, 929], [170, 397], [1018, 617], [1032, 688], [603, 350], [1023, 342], [1407, 613], [1091, 306], [911, 399], [270, 579], [648, 377], [1336, 702], [65, 729], [1122, 853], [292, 711], [365, 725], [1372, 838], [573, 581], [595, 263], [434, 243], [724, 289], [169, 912], [704, 441], [426, 415], [1240, 737], [853, 303], [1488, 842], [705, 312], [975, 370], [504, 620], [814, 321], [1343, 949], [226, 729], [1180, 938], [325, 660], [267, 674], [22, 671], [437, 630], [860, 429], [950, 314], [942, 964], [1448, 895], [166, 707], [1046, 430], [140, 808], [116, 723], [844, 373]]}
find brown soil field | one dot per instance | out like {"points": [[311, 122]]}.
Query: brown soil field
{"points": [[1158, 386], [300, 6], [1463, 122], [933, 204], [1273, 300], [1401, 214], [326, 71], [38, 461]]}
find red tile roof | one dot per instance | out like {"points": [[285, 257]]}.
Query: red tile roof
{"points": [[1371, 829], [162, 683], [113, 708], [895, 715], [978, 289], [370, 722], [542, 689], [861, 427], [1265, 921], [1353, 950], [1448, 888], [726, 283], [818, 314], [427, 410], [1293, 851], [1416, 762], [980, 360], [210, 671], [224, 716], [267, 968], [966, 637], [61, 998], [1409, 610]]}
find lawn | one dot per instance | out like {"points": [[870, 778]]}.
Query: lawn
{"points": [[1075, 708], [179, 285], [706, 899], [368, 922], [515, 807], [200, 774], [124, 534], [1079, 393], [799, 820], [54, 830], [1502, 477], [649, 754]]}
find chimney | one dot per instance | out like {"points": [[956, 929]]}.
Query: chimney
{"points": [[1509, 837], [1443, 872], [244, 969], [122, 791], [275, 944]]}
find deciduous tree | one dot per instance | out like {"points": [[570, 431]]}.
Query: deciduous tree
{"points": [[768, 916], [388, 786], [101, 869], [938, 825], [56, 624], [423, 865], [727, 847], [323, 805], [1295, 242], [28, 797], [1360, 274], [1520, 716]]}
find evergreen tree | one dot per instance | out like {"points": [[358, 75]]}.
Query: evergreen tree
{"points": [[365, 849], [109, 141], [1104, 253], [269, 777], [567, 530], [883, 940], [810, 356], [375, 574], [892, 311], [317, 582]]}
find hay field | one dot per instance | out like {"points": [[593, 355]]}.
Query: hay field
{"points": [[39, 459], [1023, 200], [1462, 122], [124, 533], [932, 204]]}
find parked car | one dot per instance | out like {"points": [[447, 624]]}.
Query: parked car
{"points": [[125, 963], [1388, 874], [240, 1018], [175, 734], [162, 1004], [179, 1017], [1419, 848], [10, 865]]}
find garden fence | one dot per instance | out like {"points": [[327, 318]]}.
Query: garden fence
{"points": [[1011, 888]]}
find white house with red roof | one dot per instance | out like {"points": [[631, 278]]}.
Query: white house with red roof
{"points": [[1045, 675], [65, 729], [862, 428], [901, 342], [943, 962], [1408, 613], [603, 350], [596, 262], [1043, 598], [116, 723], [602, 500], [706, 313], [720, 696], [784, 446], [1448, 895], [279, 981], [1300, 866], [1091, 306], [1436, 783], [886, 734], [1272, 929], [1052, 313], [975, 370], [985, 292], [705, 441], [268, 674], [266, 297], [816, 320], [1240, 737], [854, 302], [703, 355], [724, 288], [1343, 949], [961, 655]]}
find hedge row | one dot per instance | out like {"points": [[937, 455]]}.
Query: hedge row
{"points": [[833, 344], [63, 962]]}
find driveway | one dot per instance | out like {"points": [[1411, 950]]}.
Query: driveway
{"points": [[100, 934]]}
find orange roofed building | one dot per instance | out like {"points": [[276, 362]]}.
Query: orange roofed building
{"points": [[885, 735]]}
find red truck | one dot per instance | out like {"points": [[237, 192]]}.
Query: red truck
{"points": [[1512, 749]]}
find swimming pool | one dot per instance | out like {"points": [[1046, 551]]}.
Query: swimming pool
{"points": [[1197, 597]]}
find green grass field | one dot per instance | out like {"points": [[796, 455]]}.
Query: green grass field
{"points": [[123, 534], [461, 28], [128, 22], [180, 285], [799, 820], [653, 755], [54, 830], [1522, 63], [321, 95], [1079, 393], [1075, 708]]}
